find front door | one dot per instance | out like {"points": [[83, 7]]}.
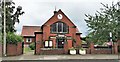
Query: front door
{"points": [[60, 42]]}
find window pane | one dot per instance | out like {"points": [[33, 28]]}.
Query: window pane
{"points": [[46, 43], [65, 28], [28, 40], [53, 28], [59, 27]]}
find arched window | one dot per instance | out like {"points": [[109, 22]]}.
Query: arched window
{"points": [[59, 27]]}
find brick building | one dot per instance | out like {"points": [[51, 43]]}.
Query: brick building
{"points": [[58, 32]]}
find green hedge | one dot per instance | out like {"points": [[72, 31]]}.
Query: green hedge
{"points": [[12, 38], [32, 46]]}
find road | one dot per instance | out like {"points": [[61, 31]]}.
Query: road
{"points": [[72, 60]]}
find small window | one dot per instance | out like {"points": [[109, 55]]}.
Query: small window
{"points": [[28, 40], [48, 44]]}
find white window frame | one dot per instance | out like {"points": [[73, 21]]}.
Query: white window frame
{"points": [[28, 39], [48, 44]]}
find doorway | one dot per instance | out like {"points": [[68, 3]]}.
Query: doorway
{"points": [[60, 42]]}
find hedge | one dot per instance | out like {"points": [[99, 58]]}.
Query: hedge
{"points": [[12, 38]]}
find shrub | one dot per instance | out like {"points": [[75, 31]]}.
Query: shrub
{"points": [[32, 46], [12, 38]]}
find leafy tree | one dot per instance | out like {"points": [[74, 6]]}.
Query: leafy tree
{"points": [[103, 22], [11, 18]]}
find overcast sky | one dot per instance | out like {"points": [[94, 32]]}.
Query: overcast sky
{"points": [[38, 12]]}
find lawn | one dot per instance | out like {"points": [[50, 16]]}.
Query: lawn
{"points": [[27, 49]]}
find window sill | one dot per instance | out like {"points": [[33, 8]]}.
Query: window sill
{"points": [[52, 48], [59, 32]]}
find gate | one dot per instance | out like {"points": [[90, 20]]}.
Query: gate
{"points": [[22, 47]]}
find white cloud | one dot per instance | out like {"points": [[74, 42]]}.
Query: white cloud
{"points": [[38, 12]]}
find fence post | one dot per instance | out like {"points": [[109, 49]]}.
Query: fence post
{"points": [[92, 48]]}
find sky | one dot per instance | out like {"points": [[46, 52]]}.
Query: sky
{"points": [[37, 12]]}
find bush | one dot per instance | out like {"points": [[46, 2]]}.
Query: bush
{"points": [[12, 38], [32, 46]]}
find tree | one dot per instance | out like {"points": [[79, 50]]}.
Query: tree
{"points": [[11, 18], [103, 22]]}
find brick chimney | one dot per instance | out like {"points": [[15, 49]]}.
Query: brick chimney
{"points": [[55, 12]]}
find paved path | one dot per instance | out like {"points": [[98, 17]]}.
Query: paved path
{"points": [[31, 56], [59, 57]]}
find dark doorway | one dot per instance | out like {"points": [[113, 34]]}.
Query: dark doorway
{"points": [[60, 42]]}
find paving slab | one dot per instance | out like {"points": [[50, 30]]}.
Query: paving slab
{"points": [[60, 57]]}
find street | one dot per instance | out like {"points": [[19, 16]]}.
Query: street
{"points": [[72, 60]]}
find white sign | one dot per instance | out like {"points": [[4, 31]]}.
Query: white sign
{"points": [[61, 35], [50, 43], [46, 43]]}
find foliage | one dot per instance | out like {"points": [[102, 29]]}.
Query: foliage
{"points": [[32, 46], [74, 40], [102, 23], [72, 48], [82, 49], [10, 16], [12, 38]]}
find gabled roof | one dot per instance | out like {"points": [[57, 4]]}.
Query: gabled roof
{"points": [[29, 30], [57, 13]]}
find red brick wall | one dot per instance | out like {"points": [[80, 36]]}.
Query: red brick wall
{"points": [[38, 48], [54, 51], [69, 43], [102, 51], [13, 49], [39, 43], [19, 48], [78, 40], [39, 37], [92, 50]]}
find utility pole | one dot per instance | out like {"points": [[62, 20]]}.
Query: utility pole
{"points": [[4, 51]]}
